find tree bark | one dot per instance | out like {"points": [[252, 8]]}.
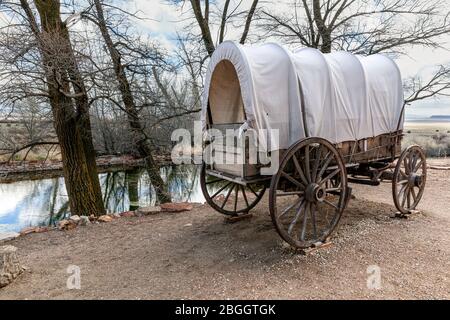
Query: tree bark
{"points": [[81, 179], [324, 31], [139, 136], [248, 21], [204, 26]]}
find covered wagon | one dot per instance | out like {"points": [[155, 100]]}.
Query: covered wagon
{"points": [[329, 119]]}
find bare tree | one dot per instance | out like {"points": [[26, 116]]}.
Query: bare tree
{"points": [[140, 138], [229, 14], [360, 26], [41, 55], [366, 27]]}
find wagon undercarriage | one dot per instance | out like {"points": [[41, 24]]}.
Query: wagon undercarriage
{"points": [[309, 192]]}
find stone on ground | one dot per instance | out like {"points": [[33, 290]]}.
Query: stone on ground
{"points": [[176, 207], [105, 218], [10, 267], [148, 210], [8, 236], [84, 220], [75, 219], [66, 225]]}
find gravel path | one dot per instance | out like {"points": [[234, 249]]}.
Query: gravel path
{"points": [[196, 255]]}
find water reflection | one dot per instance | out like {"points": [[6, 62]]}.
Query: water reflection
{"points": [[44, 202]]}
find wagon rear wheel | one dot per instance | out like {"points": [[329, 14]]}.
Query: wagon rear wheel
{"points": [[229, 198], [308, 193], [408, 183]]}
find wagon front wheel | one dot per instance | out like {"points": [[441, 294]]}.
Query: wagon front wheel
{"points": [[308, 193], [230, 198], [408, 183]]}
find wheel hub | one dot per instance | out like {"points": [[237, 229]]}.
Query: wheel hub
{"points": [[415, 180], [315, 193]]}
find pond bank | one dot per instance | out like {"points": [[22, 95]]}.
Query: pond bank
{"points": [[32, 170]]}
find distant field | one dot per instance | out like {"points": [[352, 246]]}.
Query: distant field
{"points": [[432, 135], [428, 126]]}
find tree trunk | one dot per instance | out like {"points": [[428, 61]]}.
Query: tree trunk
{"points": [[81, 179], [84, 120], [139, 136], [203, 24], [324, 31]]}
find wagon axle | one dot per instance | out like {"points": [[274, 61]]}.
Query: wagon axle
{"points": [[315, 193]]}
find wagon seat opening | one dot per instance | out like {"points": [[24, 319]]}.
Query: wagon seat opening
{"points": [[225, 100]]}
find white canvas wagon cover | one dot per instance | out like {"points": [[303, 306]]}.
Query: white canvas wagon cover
{"points": [[337, 96]]}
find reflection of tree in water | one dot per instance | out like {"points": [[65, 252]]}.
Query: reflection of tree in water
{"points": [[114, 190], [62, 211], [132, 182], [182, 181], [45, 201]]}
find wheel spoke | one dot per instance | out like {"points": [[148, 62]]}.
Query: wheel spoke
{"points": [[330, 176], [307, 164], [331, 204], [327, 161], [226, 198], [293, 193], [333, 189], [294, 181], [403, 173], [214, 181], [418, 165], [404, 196], [414, 163], [220, 190], [253, 191], [236, 194], [405, 163], [313, 220], [287, 209], [244, 195], [297, 216], [316, 163], [305, 220], [413, 193], [299, 170], [408, 198], [402, 189]]}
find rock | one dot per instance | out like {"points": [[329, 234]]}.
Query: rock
{"points": [[10, 267], [66, 225], [176, 207], [148, 210], [84, 221], [92, 218], [127, 214], [115, 216], [105, 218], [7, 236], [29, 230], [75, 219]]}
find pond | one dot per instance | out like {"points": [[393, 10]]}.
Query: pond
{"points": [[44, 202]]}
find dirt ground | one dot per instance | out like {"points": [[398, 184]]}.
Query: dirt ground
{"points": [[195, 255]]}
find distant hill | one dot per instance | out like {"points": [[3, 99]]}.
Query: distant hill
{"points": [[440, 117]]}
